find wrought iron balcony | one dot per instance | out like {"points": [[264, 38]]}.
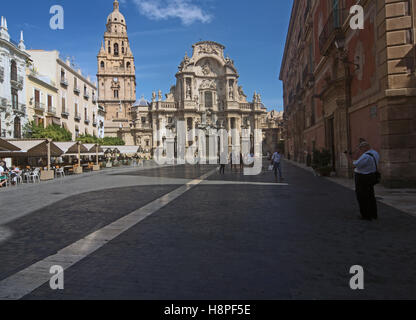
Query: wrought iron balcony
{"points": [[1, 74], [52, 110], [65, 113], [19, 108], [86, 95], [39, 106], [332, 29], [76, 90], [77, 116], [87, 121], [64, 82], [17, 83]]}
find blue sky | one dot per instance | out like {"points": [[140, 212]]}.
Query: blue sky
{"points": [[161, 31]]}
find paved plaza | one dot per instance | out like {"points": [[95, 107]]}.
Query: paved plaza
{"points": [[186, 232]]}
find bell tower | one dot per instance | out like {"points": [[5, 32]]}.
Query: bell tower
{"points": [[116, 75]]}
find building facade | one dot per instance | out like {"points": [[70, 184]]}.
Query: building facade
{"points": [[116, 78], [13, 61], [41, 98], [206, 95], [343, 84], [272, 126], [77, 101]]}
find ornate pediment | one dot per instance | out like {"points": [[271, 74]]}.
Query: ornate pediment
{"points": [[208, 48], [208, 84]]}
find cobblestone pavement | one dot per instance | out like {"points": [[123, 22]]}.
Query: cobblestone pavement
{"points": [[230, 237]]}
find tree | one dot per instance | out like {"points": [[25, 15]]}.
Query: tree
{"points": [[53, 131], [107, 141]]}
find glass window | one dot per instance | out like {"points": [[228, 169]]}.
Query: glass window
{"points": [[208, 100]]}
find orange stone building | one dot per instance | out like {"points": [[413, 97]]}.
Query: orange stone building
{"points": [[342, 84]]}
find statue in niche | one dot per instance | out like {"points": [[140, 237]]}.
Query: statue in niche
{"points": [[231, 93], [188, 89]]}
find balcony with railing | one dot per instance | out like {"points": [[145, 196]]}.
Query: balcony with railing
{"points": [[65, 113], [86, 95], [39, 106], [64, 81], [76, 90], [51, 110], [245, 106], [332, 29], [1, 74], [17, 83], [19, 108], [77, 116], [94, 99], [87, 120], [167, 105]]}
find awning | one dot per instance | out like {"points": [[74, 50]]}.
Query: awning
{"points": [[7, 146], [33, 148], [92, 148], [71, 147]]}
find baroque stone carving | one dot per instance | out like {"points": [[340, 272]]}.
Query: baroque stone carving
{"points": [[209, 84], [208, 49], [206, 69]]}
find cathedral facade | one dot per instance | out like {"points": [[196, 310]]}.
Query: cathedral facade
{"points": [[206, 96]]}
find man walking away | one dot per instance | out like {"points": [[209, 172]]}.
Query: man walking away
{"points": [[276, 162], [366, 168]]}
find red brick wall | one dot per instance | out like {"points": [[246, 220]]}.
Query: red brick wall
{"points": [[363, 126]]}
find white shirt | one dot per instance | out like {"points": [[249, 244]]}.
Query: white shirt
{"points": [[366, 164], [276, 157], [1, 171]]}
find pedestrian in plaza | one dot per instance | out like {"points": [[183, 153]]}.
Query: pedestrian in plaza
{"points": [[366, 177], [277, 166], [222, 168], [241, 162], [232, 161]]}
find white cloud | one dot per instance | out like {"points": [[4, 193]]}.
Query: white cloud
{"points": [[185, 10]]}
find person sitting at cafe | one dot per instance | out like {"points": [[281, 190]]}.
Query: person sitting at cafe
{"points": [[3, 176], [14, 173]]}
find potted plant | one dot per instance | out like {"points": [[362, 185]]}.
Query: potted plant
{"points": [[322, 163]]}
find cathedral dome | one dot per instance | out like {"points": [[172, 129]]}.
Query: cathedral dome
{"points": [[116, 16], [141, 103]]}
